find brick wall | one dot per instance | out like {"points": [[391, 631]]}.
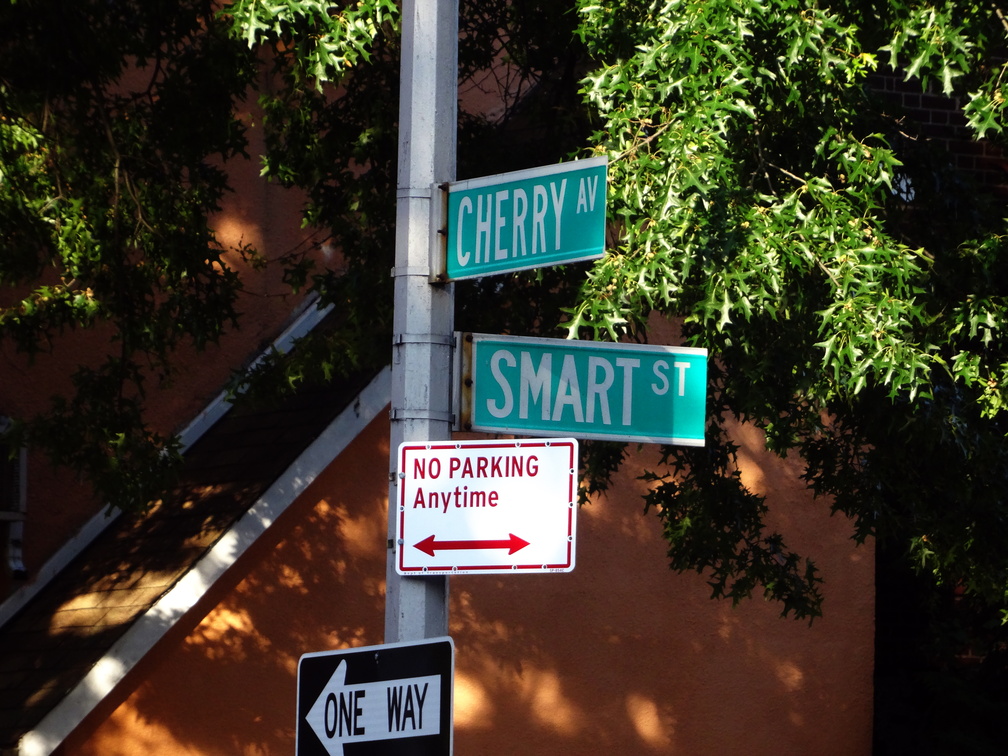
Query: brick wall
{"points": [[929, 115]]}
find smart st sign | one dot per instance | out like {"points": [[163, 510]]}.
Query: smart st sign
{"points": [[391, 700], [526, 219], [585, 389], [486, 506]]}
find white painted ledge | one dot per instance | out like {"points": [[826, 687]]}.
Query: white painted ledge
{"points": [[152, 625], [309, 317]]}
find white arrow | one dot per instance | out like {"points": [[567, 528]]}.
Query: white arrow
{"points": [[405, 708]]}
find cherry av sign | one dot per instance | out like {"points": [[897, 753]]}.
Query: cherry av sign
{"points": [[550, 215]]}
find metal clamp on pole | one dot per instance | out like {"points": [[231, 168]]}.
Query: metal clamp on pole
{"points": [[438, 339], [408, 413], [419, 339], [409, 271]]}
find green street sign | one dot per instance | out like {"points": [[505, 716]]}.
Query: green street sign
{"points": [[526, 219], [585, 389]]}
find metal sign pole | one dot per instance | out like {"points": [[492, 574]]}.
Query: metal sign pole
{"points": [[417, 607]]}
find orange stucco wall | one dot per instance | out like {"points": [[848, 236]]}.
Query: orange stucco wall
{"points": [[620, 656]]}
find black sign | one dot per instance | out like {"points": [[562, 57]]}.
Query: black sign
{"points": [[392, 700]]}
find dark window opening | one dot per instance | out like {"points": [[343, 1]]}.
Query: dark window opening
{"points": [[13, 468]]}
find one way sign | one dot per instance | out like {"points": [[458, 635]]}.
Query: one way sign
{"points": [[393, 700]]}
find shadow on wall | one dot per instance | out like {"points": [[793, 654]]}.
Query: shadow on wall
{"points": [[623, 656], [620, 656]]}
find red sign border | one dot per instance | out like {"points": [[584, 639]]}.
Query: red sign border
{"points": [[538, 567]]}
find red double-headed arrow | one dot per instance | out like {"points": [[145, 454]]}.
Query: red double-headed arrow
{"points": [[430, 546]]}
